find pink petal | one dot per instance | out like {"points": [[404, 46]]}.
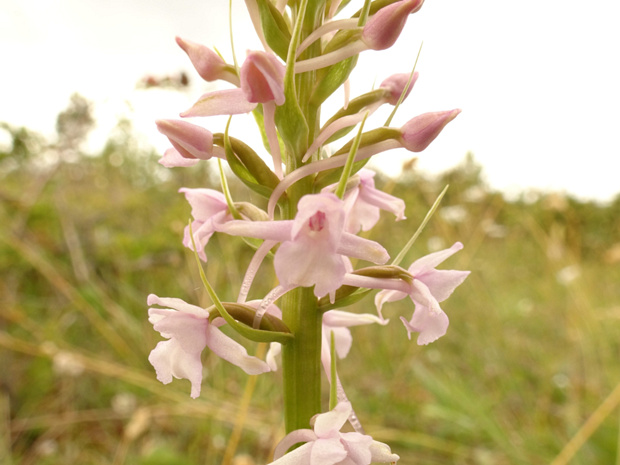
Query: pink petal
{"points": [[305, 263], [327, 452], [431, 325], [205, 203], [328, 424], [177, 304], [387, 296], [221, 102], [442, 283], [369, 194], [358, 446], [358, 247], [299, 456], [433, 259], [173, 159], [187, 329], [169, 359], [233, 352]]}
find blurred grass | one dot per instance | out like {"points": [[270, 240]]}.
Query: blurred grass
{"points": [[531, 353]]}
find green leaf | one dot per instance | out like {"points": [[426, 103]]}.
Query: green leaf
{"points": [[247, 165], [290, 120], [331, 78], [275, 28], [347, 170]]}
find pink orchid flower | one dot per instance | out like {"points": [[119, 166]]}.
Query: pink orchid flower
{"points": [[430, 286], [364, 203], [262, 81], [313, 245], [188, 331], [209, 208], [326, 445]]}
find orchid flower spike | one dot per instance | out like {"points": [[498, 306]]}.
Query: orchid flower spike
{"points": [[190, 142], [326, 445], [429, 287], [209, 64], [188, 331], [313, 245]]}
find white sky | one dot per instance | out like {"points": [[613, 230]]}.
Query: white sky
{"points": [[537, 82]]}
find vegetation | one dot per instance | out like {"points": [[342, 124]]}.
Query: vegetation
{"points": [[527, 373]]}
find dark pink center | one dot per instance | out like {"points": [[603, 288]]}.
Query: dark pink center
{"points": [[317, 221]]}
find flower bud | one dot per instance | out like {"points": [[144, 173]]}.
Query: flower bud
{"points": [[189, 140], [420, 131], [396, 85], [209, 64], [262, 78], [384, 27]]}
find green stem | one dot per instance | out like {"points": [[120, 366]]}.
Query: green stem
{"points": [[301, 359]]}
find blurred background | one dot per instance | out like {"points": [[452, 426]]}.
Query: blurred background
{"points": [[90, 224]]}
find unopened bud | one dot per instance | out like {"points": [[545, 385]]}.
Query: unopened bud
{"points": [[189, 140], [209, 64], [384, 27], [420, 131], [396, 85]]}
